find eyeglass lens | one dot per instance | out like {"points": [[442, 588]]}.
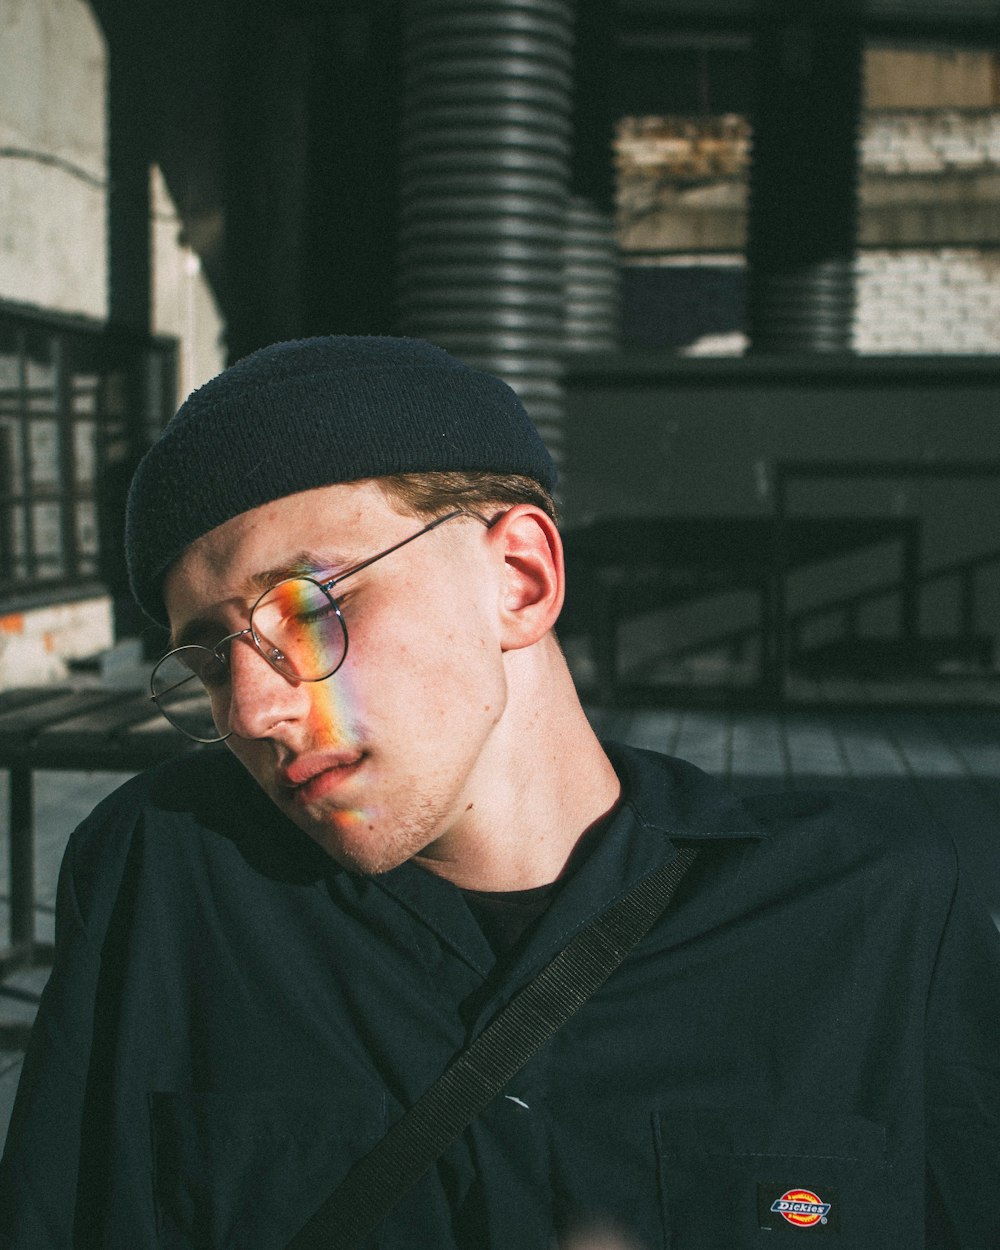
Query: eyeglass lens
{"points": [[300, 631], [178, 687]]}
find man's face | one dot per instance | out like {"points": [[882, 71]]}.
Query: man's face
{"points": [[388, 758]]}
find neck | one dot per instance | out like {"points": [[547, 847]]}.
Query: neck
{"points": [[542, 784]]}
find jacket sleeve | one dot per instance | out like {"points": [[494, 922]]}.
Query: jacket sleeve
{"points": [[46, 1180], [963, 1080]]}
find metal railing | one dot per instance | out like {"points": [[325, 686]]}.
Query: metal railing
{"points": [[913, 580]]}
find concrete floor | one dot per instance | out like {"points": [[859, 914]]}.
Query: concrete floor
{"points": [[943, 761]]}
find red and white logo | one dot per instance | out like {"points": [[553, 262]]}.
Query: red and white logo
{"points": [[801, 1207]]}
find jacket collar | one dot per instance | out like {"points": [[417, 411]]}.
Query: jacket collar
{"points": [[664, 801], [677, 799]]}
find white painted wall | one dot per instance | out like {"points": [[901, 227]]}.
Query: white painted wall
{"points": [[53, 167], [53, 186], [35, 645]]}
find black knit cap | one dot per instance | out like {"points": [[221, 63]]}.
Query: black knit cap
{"points": [[298, 415]]}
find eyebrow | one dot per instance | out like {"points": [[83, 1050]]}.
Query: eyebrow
{"points": [[303, 562]]}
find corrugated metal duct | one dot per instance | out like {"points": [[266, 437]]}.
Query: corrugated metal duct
{"points": [[484, 189], [593, 279]]}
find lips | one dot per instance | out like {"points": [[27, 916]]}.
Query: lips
{"points": [[310, 776]]}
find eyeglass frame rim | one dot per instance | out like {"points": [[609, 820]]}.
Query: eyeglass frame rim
{"points": [[323, 585]]}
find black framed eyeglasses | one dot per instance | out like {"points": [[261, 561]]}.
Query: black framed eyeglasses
{"points": [[296, 625]]}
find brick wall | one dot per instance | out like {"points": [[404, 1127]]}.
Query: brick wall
{"points": [[944, 300], [931, 141]]}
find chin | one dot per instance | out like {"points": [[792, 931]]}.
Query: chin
{"points": [[363, 862], [354, 843]]}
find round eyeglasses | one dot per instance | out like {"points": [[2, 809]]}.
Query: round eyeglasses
{"points": [[296, 625]]}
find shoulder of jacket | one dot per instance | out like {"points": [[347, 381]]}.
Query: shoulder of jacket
{"points": [[165, 787], [855, 827], [186, 795], [824, 827]]}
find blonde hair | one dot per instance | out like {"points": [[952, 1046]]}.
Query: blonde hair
{"points": [[431, 494]]}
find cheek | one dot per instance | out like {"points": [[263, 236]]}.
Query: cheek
{"points": [[433, 656], [421, 690], [453, 657], [333, 703]]}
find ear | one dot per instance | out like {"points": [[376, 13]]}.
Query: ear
{"points": [[526, 539]]}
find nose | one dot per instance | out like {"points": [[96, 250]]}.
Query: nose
{"points": [[260, 699]]}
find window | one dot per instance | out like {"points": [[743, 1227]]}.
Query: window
{"points": [[928, 255], [77, 405], [929, 251]]}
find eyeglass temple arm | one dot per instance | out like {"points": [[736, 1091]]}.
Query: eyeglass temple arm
{"points": [[356, 568]]}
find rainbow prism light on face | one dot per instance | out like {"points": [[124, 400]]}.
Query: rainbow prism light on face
{"points": [[296, 625]]}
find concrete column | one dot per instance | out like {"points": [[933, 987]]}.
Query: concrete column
{"points": [[484, 188], [803, 185]]}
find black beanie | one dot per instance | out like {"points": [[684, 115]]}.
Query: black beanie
{"points": [[311, 413]]}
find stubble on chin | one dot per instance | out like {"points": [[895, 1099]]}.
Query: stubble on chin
{"points": [[370, 843]]}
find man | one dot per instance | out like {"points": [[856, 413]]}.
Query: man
{"points": [[353, 543]]}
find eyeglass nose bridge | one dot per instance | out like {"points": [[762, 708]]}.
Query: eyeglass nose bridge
{"points": [[223, 649]]}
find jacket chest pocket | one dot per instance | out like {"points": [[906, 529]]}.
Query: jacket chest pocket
{"points": [[742, 1180], [232, 1171]]}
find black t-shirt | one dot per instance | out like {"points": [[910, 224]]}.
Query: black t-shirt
{"points": [[505, 916]]}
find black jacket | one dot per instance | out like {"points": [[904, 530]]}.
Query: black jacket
{"points": [[232, 1020]]}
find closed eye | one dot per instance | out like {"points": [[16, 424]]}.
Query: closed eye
{"points": [[309, 616]]}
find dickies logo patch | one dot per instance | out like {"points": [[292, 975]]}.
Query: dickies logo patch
{"points": [[801, 1207], [793, 1207]]}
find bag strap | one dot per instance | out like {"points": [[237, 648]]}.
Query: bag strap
{"points": [[380, 1179]]}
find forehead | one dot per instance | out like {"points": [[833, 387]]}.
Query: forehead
{"points": [[336, 524]]}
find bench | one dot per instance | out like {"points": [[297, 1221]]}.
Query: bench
{"points": [[96, 728]]}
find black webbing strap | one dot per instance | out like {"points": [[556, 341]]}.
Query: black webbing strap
{"points": [[377, 1181]]}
